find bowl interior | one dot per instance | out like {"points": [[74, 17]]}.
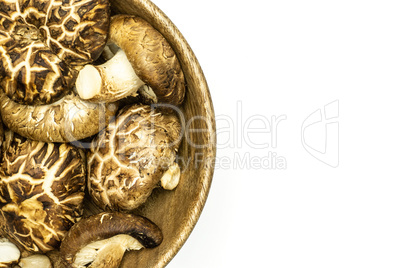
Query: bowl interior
{"points": [[176, 212]]}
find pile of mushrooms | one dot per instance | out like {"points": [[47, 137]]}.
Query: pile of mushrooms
{"points": [[86, 113]]}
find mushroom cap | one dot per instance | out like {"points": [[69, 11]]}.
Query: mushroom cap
{"points": [[41, 42], [128, 158], [106, 225], [66, 120], [151, 57], [41, 191]]}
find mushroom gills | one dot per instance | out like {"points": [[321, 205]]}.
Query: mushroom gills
{"points": [[147, 95], [110, 81], [109, 51], [107, 252]]}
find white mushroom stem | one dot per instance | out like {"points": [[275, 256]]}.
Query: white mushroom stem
{"points": [[9, 253], [107, 252], [171, 177], [108, 82], [36, 260]]}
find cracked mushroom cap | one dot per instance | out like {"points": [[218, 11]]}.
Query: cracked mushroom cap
{"points": [[128, 159], [41, 191], [101, 240], [41, 42]]}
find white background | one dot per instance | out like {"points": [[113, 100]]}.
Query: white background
{"points": [[265, 59]]}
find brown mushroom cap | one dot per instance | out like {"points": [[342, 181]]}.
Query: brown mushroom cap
{"points": [[128, 158], [41, 191], [151, 56], [66, 120], [106, 225], [42, 41]]}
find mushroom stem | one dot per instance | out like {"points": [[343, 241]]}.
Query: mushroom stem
{"points": [[171, 177], [36, 260], [151, 56], [9, 253], [108, 82]]}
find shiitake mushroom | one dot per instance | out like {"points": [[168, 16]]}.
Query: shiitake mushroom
{"points": [[41, 191], [102, 239], [139, 55], [131, 155]]}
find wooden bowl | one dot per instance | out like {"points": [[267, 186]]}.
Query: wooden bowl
{"points": [[175, 212]]}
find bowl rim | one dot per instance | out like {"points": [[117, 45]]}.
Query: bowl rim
{"points": [[156, 17]]}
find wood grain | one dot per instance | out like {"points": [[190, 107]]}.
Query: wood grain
{"points": [[175, 212]]}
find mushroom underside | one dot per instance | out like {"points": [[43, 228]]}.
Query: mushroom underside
{"points": [[107, 252], [67, 120], [136, 54], [125, 230], [152, 57], [109, 82]]}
